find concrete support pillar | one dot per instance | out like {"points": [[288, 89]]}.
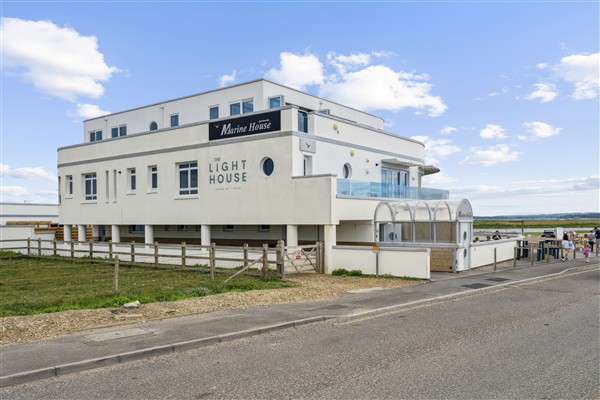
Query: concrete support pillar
{"points": [[330, 240], [292, 235], [205, 235], [115, 233], [95, 232], [149, 234], [413, 176], [81, 233], [68, 233]]}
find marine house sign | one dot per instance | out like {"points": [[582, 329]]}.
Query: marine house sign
{"points": [[243, 126]]}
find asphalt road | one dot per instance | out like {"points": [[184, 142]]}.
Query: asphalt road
{"points": [[539, 339]]}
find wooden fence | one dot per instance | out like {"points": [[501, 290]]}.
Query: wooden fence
{"points": [[230, 259]]}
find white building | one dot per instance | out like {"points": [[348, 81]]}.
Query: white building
{"points": [[254, 163]]}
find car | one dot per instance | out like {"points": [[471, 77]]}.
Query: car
{"points": [[549, 233]]}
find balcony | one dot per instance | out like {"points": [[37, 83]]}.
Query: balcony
{"points": [[346, 187]]}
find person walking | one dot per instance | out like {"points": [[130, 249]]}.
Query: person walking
{"points": [[586, 252], [566, 248], [591, 238]]}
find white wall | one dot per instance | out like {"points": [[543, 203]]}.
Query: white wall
{"points": [[482, 253], [28, 212], [400, 262]]}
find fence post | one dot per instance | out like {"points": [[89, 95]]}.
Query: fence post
{"points": [[548, 251], [183, 254], [54, 247], [132, 251], [91, 249], [531, 253], [39, 246], [280, 260], [116, 276], [110, 249], [28, 246], [495, 263], [72, 249], [246, 257], [155, 253], [265, 267], [574, 252], [515, 257], [212, 261]]}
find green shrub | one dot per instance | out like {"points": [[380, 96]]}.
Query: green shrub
{"points": [[355, 272], [340, 272]]}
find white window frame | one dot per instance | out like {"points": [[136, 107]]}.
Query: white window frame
{"points": [[212, 108], [152, 173], [131, 180], [171, 120], [189, 191], [92, 178], [68, 186], [95, 135], [281, 103]]}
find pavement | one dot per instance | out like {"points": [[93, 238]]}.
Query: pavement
{"points": [[27, 362]]}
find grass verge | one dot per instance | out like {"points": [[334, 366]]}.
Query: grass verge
{"points": [[40, 285]]}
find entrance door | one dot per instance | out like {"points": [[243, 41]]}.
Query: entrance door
{"points": [[465, 240]]}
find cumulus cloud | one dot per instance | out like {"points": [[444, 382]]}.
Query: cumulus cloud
{"points": [[436, 148], [446, 130], [582, 70], [492, 131], [489, 156], [544, 92], [541, 129], [55, 60], [298, 71], [88, 111], [227, 79], [11, 192], [358, 83], [27, 173]]}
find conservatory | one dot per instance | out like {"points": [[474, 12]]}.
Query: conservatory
{"points": [[444, 226]]}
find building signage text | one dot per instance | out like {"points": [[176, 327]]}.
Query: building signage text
{"points": [[220, 172], [242, 126]]}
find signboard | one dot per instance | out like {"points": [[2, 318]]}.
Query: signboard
{"points": [[298, 254], [243, 126]]}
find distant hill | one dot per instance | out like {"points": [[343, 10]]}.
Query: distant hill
{"points": [[587, 215]]}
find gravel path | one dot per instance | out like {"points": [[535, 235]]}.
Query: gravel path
{"points": [[308, 287]]}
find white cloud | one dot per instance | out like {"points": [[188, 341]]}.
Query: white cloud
{"points": [[358, 84], [27, 173], [298, 71], [542, 65], [521, 137], [440, 180], [492, 131], [55, 60], [541, 129], [378, 87], [227, 79], [11, 192], [436, 148], [446, 130], [87, 111], [545, 92], [582, 70], [343, 63], [489, 156]]}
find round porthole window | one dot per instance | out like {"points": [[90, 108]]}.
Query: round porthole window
{"points": [[393, 236], [268, 166], [153, 126], [465, 253], [464, 236], [347, 171]]}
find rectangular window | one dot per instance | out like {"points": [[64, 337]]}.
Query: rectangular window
{"points": [[175, 120], [213, 112], [59, 189], [182, 228], [114, 185], [69, 179], [307, 165], [131, 178], [234, 109], [137, 228], [247, 106], [302, 121], [188, 178], [167, 228], [107, 187], [227, 228], [117, 131], [89, 183], [275, 102], [153, 172], [95, 136], [264, 228]]}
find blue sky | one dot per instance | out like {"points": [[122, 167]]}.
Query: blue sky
{"points": [[504, 94]]}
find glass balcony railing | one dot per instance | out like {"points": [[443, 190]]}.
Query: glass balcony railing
{"points": [[346, 187]]}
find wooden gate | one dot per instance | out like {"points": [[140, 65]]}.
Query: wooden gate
{"points": [[307, 258]]}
